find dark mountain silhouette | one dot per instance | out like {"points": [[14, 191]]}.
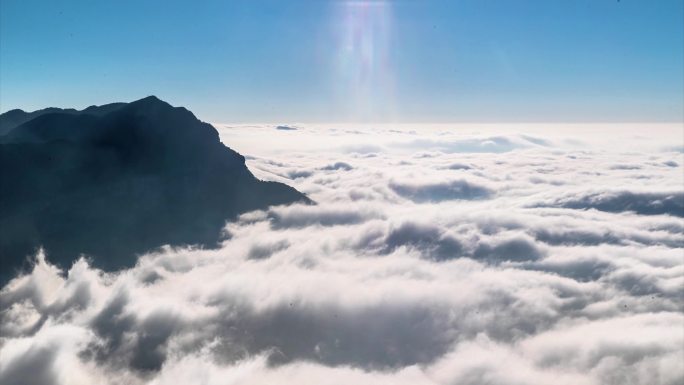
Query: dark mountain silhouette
{"points": [[117, 180], [13, 118]]}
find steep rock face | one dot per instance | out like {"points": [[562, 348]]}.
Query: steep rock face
{"points": [[118, 180]]}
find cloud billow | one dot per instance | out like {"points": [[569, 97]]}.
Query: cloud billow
{"points": [[440, 191], [644, 203], [413, 273]]}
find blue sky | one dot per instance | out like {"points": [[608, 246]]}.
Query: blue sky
{"points": [[371, 61]]}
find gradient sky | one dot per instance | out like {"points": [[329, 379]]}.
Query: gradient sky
{"points": [[316, 61]]}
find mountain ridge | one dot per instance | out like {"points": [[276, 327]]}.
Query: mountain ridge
{"points": [[118, 181], [16, 117]]}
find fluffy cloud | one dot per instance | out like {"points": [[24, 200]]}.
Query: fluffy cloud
{"points": [[646, 203], [439, 191], [469, 258]]}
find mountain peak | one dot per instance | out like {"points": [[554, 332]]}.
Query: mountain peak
{"points": [[152, 99], [14, 111], [119, 180]]}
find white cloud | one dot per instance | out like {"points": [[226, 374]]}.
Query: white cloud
{"points": [[394, 276]]}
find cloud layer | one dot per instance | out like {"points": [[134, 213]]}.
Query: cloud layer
{"points": [[447, 257]]}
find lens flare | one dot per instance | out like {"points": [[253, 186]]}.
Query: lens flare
{"points": [[364, 73]]}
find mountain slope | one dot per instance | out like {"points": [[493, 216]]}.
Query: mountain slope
{"points": [[119, 180]]}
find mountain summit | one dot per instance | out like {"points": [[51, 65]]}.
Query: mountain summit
{"points": [[117, 180]]}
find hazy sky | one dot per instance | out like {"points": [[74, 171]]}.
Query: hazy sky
{"points": [[316, 61]]}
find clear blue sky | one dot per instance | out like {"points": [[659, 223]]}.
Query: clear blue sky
{"points": [[317, 61]]}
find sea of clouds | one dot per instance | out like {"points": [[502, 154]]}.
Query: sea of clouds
{"points": [[434, 255]]}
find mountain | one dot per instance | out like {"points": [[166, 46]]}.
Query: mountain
{"points": [[116, 181], [13, 118]]}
